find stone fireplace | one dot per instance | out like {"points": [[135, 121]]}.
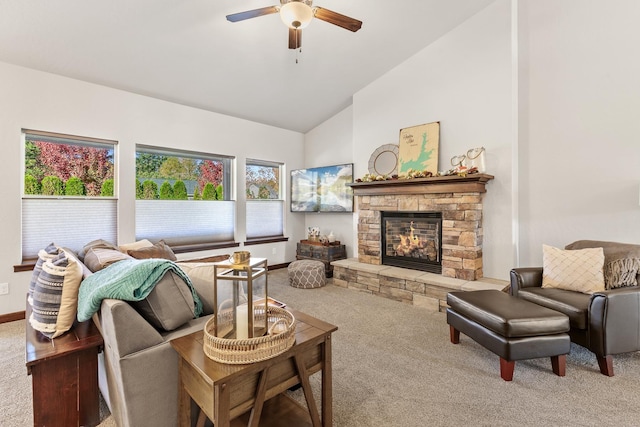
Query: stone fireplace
{"points": [[412, 240], [458, 200]]}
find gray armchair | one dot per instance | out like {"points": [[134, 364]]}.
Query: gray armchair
{"points": [[606, 323]]}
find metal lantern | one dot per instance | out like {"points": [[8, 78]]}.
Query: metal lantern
{"points": [[240, 298]]}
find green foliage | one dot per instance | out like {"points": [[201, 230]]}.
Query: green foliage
{"points": [[31, 185], [219, 192], [147, 165], [196, 194], [209, 192], [178, 168], [74, 187], [180, 191], [52, 186], [166, 191], [32, 163], [138, 189], [149, 190], [107, 188]]}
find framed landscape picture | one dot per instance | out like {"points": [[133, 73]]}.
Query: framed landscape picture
{"points": [[419, 148], [323, 189]]}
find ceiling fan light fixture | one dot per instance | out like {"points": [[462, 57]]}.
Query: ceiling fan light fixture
{"points": [[296, 14]]}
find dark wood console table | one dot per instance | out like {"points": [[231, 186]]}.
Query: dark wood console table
{"points": [[307, 249], [64, 375]]}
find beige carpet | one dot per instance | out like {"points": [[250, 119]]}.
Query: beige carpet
{"points": [[394, 366]]}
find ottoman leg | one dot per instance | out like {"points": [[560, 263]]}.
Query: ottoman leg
{"points": [[558, 364], [506, 369], [454, 335]]}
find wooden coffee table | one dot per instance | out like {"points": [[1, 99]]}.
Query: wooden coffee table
{"points": [[253, 394]]}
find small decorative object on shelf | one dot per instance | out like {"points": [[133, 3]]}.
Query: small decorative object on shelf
{"points": [[475, 159], [313, 233], [331, 237]]}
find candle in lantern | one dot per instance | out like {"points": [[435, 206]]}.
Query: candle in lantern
{"points": [[242, 322]]}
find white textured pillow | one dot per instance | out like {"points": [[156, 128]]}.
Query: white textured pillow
{"points": [[144, 243], [573, 270]]}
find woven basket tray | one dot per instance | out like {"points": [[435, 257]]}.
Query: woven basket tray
{"points": [[251, 350]]}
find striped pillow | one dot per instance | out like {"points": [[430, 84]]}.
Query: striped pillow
{"points": [[55, 297], [47, 253]]}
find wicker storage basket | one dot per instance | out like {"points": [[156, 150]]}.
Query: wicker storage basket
{"points": [[251, 350]]}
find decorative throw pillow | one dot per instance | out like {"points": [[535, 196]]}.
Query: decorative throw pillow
{"points": [[50, 252], [573, 270], [169, 305], [55, 297], [621, 261], [99, 243], [144, 243], [98, 258], [159, 250]]}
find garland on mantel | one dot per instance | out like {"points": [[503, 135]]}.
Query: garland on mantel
{"points": [[412, 173]]}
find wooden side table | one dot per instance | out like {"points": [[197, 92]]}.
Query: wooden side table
{"points": [[231, 395], [307, 249], [64, 375]]}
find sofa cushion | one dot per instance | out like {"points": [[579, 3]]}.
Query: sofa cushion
{"points": [[159, 250], [574, 304], [621, 261], [573, 270], [201, 275], [55, 297], [98, 258], [169, 305]]}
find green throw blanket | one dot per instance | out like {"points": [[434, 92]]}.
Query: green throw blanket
{"points": [[128, 280]]}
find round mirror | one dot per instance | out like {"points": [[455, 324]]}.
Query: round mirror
{"points": [[384, 161]]}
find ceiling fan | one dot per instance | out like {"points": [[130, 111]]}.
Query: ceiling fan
{"points": [[296, 14]]}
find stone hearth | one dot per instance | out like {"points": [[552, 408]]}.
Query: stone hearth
{"points": [[418, 288], [459, 199]]}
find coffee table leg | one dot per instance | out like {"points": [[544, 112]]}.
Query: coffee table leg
{"points": [[308, 393], [327, 386], [184, 401]]}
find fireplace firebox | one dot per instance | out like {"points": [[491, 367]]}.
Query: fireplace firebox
{"points": [[412, 240]]}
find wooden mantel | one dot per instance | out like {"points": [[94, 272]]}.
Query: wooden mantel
{"points": [[473, 183]]}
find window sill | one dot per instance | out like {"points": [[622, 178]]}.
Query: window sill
{"points": [[27, 265], [264, 240]]}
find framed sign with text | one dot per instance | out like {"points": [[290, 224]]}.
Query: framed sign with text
{"points": [[418, 148]]}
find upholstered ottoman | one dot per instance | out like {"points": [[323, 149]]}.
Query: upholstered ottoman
{"points": [[306, 274], [510, 327]]}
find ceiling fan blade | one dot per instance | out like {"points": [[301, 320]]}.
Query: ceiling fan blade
{"points": [[338, 19], [241, 16], [295, 38]]}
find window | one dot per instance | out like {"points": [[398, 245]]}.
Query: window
{"points": [[265, 205], [184, 198], [68, 191]]}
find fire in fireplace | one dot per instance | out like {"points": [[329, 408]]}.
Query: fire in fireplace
{"points": [[412, 240]]}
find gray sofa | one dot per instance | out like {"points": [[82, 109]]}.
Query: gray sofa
{"points": [[138, 369]]}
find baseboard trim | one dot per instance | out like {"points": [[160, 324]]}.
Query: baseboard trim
{"points": [[278, 266], [12, 317]]}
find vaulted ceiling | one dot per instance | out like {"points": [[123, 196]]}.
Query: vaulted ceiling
{"points": [[185, 51]]}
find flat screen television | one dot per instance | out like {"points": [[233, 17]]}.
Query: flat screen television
{"points": [[322, 189]]}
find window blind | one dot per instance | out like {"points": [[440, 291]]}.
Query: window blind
{"points": [[265, 218], [185, 222], [67, 222]]}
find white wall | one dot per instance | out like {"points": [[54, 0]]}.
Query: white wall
{"points": [[41, 101], [329, 144], [463, 80], [579, 151]]}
